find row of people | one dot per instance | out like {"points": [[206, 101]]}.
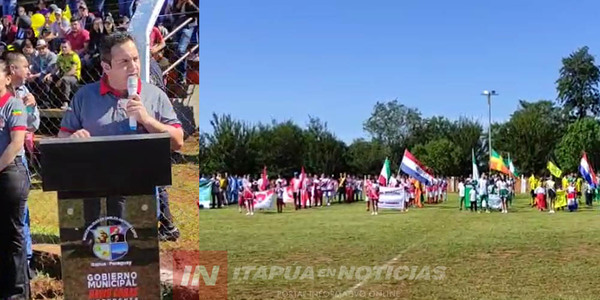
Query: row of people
{"points": [[347, 188], [318, 191], [545, 193], [480, 189]]}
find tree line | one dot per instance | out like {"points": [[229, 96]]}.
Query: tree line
{"points": [[538, 131]]}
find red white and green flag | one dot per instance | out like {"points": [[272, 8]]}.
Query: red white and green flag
{"points": [[384, 176]]}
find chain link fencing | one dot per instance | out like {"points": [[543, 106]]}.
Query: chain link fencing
{"points": [[179, 80]]}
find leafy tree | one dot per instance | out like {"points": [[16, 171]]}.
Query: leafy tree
{"points": [[366, 157], [577, 85], [229, 145], [530, 135], [436, 127], [203, 154], [441, 155], [393, 124], [583, 135], [324, 152], [280, 147], [466, 135]]}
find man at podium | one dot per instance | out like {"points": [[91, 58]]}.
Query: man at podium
{"points": [[118, 105]]}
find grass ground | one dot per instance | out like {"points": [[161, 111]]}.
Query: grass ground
{"points": [[521, 255]]}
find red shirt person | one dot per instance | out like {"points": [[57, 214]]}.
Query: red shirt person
{"points": [[78, 37], [157, 42]]}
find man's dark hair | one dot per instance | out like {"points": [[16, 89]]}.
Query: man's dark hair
{"points": [[121, 20], [75, 19], [12, 57], [27, 43], [111, 40]]}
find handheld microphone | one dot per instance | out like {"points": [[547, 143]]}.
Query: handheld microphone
{"points": [[132, 88]]}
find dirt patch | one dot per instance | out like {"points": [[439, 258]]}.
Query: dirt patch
{"points": [[192, 144], [44, 287]]}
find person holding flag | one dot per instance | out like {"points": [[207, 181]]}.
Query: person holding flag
{"points": [[385, 174], [264, 180], [341, 190], [589, 194], [585, 168]]}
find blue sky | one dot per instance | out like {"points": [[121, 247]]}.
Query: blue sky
{"points": [[334, 59]]}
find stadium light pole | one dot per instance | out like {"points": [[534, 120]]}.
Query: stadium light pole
{"points": [[489, 95]]}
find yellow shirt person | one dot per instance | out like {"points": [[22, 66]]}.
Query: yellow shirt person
{"points": [[532, 182], [66, 62]]}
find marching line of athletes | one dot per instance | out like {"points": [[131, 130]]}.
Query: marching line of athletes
{"points": [[314, 191], [544, 193], [417, 192], [480, 189]]}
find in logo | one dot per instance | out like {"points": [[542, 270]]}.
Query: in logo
{"points": [[199, 274], [110, 242]]}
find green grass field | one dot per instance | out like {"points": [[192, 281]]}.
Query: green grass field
{"points": [[525, 254]]}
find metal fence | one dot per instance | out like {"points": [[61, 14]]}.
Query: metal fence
{"points": [[181, 85]]}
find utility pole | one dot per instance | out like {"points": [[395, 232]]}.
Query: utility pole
{"points": [[489, 95]]}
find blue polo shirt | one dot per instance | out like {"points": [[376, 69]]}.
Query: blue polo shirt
{"points": [[95, 108], [13, 117]]}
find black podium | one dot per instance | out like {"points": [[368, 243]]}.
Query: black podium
{"points": [[107, 212]]}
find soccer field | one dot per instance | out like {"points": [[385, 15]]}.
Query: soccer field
{"points": [[525, 254]]}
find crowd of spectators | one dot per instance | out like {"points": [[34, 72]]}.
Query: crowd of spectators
{"points": [[63, 51]]}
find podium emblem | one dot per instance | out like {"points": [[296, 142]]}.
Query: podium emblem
{"points": [[110, 242]]}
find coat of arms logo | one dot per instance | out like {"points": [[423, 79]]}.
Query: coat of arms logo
{"points": [[110, 241]]}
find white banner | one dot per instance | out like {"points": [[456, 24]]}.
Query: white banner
{"points": [[392, 198], [494, 201], [264, 200]]}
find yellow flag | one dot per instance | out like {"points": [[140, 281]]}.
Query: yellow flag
{"points": [[554, 170], [67, 13]]}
